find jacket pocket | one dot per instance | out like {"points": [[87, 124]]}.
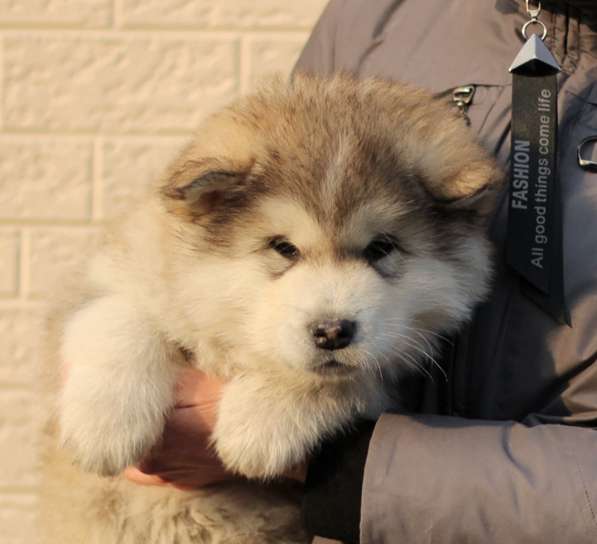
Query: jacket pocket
{"points": [[582, 126], [485, 108]]}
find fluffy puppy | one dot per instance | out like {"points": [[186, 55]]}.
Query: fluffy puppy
{"points": [[308, 246]]}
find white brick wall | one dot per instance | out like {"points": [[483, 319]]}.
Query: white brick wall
{"points": [[45, 178], [56, 13], [234, 14], [95, 97], [126, 165]]}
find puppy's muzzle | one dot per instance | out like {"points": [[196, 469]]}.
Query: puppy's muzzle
{"points": [[333, 334]]}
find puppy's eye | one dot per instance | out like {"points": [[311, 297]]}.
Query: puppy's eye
{"points": [[379, 248], [284, 248]]}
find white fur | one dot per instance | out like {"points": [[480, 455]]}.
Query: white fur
{"points": [[119, 385]]}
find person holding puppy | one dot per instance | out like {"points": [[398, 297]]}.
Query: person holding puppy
{"points": [[504, 449]]}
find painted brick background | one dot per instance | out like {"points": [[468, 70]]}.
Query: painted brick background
{"points": [[95, 97]]}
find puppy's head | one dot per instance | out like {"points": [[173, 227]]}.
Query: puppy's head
{"points": [[332, 226]]}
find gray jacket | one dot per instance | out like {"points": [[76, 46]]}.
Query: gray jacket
{"points": [[506, 451]]}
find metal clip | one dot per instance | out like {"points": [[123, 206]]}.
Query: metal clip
{"points": [[586, 164], [534, 14], [462, 98]]}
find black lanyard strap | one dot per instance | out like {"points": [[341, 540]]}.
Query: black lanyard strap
{"points": [[534, 244]]}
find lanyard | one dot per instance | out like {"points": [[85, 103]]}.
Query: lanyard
{"points": [[534, 244]]}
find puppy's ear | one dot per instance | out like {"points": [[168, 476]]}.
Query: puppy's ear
{"points": [[473, 189], [201, 187], [481, 203]]}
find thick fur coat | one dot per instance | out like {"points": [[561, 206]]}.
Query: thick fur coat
{"points": [[308, 245]]}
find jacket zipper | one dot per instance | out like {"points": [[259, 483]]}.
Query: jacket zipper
{"points": [[462, 97]]}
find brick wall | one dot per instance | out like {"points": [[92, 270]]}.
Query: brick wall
{"points": [[94, 93]]}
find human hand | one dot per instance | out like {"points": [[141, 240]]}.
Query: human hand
{"points": [[184, 457]]}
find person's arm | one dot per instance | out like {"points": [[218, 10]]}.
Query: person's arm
{"points": [[317, 56], [452, 480]]}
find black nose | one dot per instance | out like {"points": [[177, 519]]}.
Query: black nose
{"points": [[334, 334]]}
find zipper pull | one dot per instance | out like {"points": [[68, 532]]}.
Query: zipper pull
{"points": [[462, 98]]}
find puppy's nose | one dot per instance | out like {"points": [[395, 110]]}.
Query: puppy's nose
{"points": [[333, 334]]}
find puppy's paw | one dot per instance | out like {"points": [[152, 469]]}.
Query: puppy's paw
{"points": [[119, 385], [261, 433], [257, 450], [104, 440]]}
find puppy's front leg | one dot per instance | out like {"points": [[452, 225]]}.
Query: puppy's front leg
{"points": [[267, 426], [119, 386]]}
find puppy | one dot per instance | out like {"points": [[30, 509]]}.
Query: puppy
{"points": [[308, 246]]}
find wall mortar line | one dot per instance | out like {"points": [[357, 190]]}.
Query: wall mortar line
{"points": [[18, 264], [117, 14], [2, 82], [169, 33], [243, 66], [97, 204], [24, 264]]}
